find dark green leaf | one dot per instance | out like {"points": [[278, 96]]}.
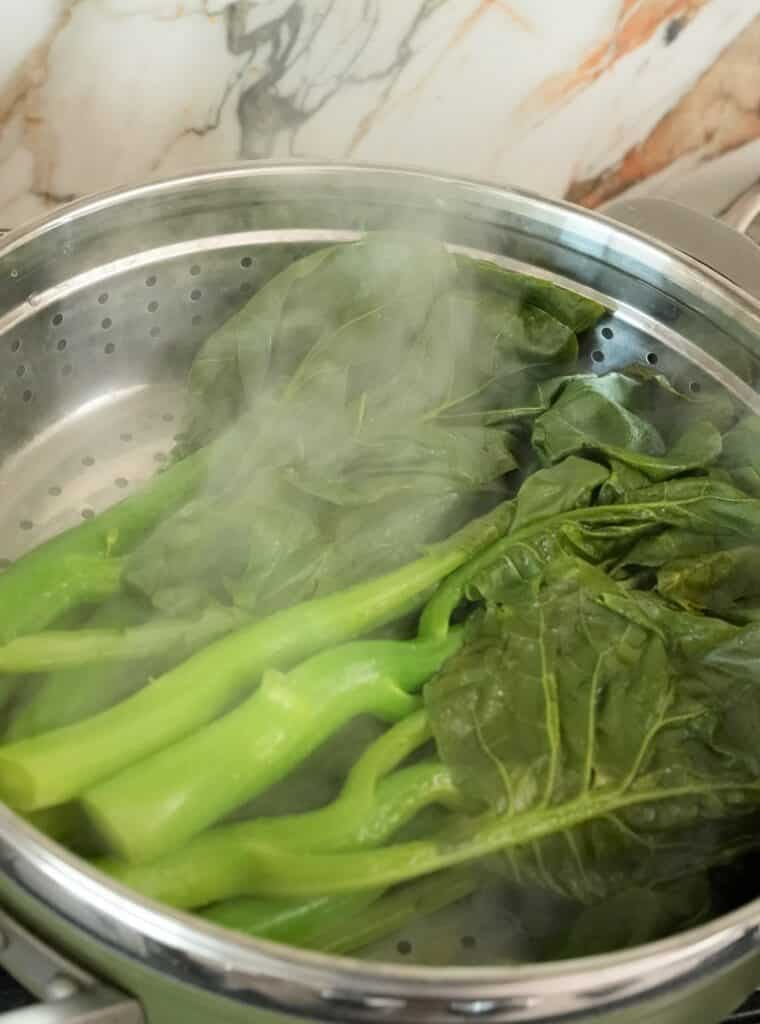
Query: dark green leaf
{"points": [[215, 383], [574, 310], [595, 414], [549, 492], [588, 412], [699, 446], [622, 482], [364, 379], [431, 458], [595, 861], [636, 915], [673, 544], [721, 583], [741, 455], [363, 311], [673, 411], [337, 307], [579, 691], [686, 635], [510, 712], [599, 534], [477, 359], [545, 495]]}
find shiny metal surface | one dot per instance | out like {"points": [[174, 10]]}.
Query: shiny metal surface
{"points": [[67, 994], [712, 242], [83, 1008], [744, 211], [132, 282]]}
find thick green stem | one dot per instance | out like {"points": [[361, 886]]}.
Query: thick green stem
{"points": [[346, 922], [87, 579], [296, 922], [217, 865], [66, 695], [277, 872], [163, 801], [56, 766], [72, 580], [78, 566], [75, 693], [348, 821], [66, 649]]}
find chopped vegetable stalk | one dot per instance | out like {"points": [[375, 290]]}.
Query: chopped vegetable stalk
{"points": [[69, 695], [65, 649], [216, 865], [161, 802], [274, 871], [56, 766], [344, 923], [79, 565], [298, 922], [75, 580]]}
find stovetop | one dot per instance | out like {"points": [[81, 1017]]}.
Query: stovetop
{"points": [[14, 997], [749, 1013]]}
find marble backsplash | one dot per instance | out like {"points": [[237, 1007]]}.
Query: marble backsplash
{"points": [[575, 98]]}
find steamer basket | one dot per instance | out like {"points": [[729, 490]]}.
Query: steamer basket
{"points": [[102, 307]]}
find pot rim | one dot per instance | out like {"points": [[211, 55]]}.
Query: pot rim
{"points": [[309, 983], [409, 174]]}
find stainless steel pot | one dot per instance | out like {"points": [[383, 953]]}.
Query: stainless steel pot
{"points": [[101, 307]]}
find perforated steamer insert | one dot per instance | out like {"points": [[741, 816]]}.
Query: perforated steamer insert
{"points": [[103, 307], [92, 368]]}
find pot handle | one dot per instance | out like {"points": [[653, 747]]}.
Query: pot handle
{"points": [[67, 994], [722, 245]]}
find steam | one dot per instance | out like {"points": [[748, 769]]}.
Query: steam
{"points": [[346, 412], [330, 401]]}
